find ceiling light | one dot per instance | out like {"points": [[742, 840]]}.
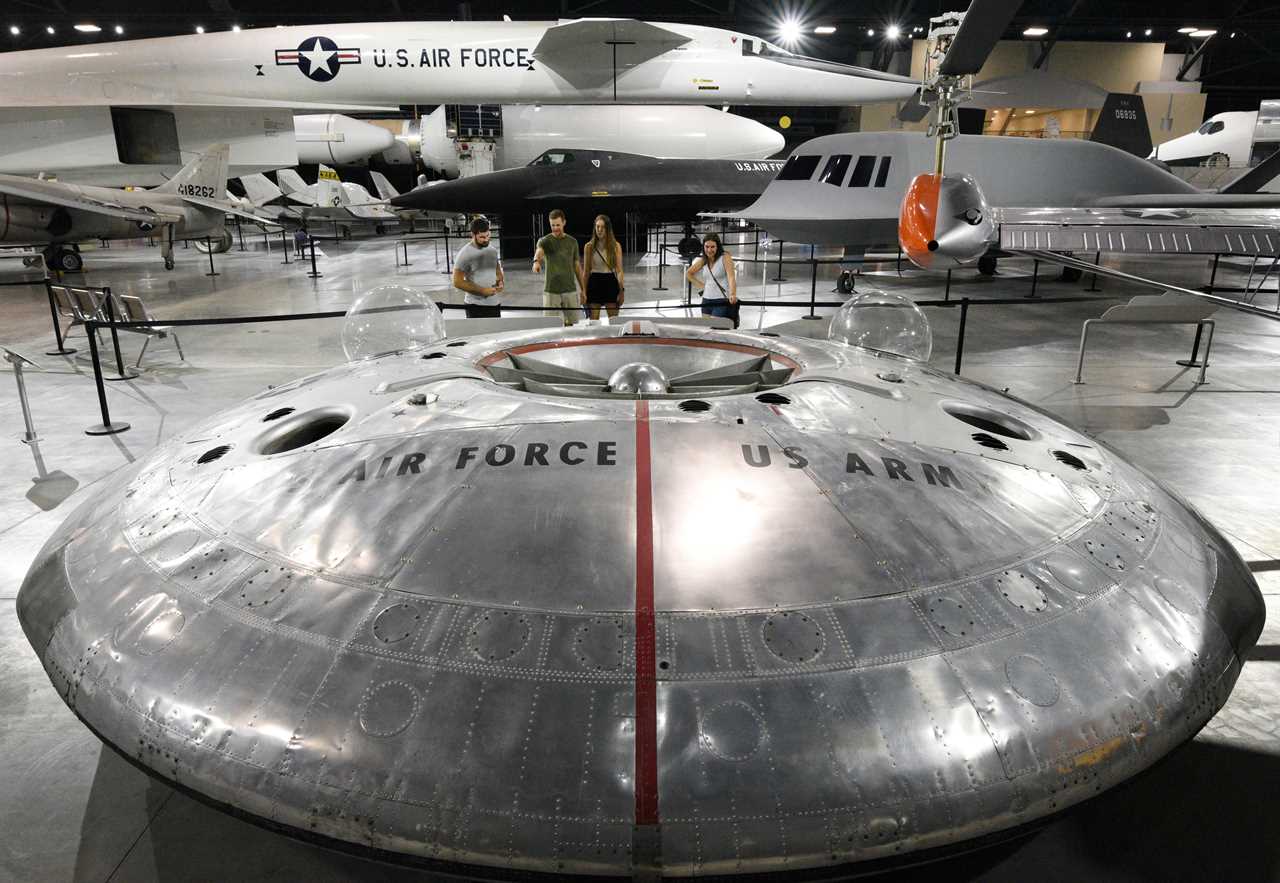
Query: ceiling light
{"points": [[1204, 32], [119, 29], [15, 30], [870, 33], [236, 28], [1147, 32], [1028, 111], [1232, 35], [892, 32], [1128, 34], [199, 29], [1185, 30], [88, 29], [1035, 32], [789, 31], [824, 29], [49, 29]]}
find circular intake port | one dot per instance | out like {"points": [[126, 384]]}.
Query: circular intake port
{"points": [[987, 420], [301, 430]]}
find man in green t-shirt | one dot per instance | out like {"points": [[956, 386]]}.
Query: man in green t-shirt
{"points": [[562, 293]]}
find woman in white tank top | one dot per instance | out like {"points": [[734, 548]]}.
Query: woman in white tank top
{"points": [[714, 275]]}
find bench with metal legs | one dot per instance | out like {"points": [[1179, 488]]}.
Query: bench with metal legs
{"points": [[1166, 309]]}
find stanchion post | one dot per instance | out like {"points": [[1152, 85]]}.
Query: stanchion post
{"points": [[109, 303], [946, 294], [1035, 277], [662, 259], [779, 277], [813, 285], [106, 427], [284, 245], [314, 274], [964, 316], [240, 233], [1213, 274], [1093, 285], [209, 245], [1193, 362], [448, 258], [62, 349]]}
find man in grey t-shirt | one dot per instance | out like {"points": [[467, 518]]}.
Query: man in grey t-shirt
{"points": [[477, 273]]}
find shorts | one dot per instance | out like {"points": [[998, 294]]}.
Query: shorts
{"points": [[721, 309], [564, 304], [602, 288], [477, 311]]}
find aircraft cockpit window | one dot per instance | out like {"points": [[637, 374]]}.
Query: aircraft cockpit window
{"points": [[799, 168], [883, 175], [748, 47], [1211, 127], [553, 158], [836, 168], [861, 176]]}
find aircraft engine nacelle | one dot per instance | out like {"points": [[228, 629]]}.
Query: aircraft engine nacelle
{"points": [[334, 138], [945, 221], [438, 151]]}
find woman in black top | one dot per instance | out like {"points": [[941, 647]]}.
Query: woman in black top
{"points": [[602, 270]]}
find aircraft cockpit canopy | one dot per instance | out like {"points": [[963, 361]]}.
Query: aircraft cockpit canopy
{"points": [[553, 158]]}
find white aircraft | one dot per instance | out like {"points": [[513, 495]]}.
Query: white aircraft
{"points": [[329, 199], [664, 131], [1223, 139], [191, 205], [355, 66]]}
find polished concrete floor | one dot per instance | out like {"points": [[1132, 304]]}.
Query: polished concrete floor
{"points": [[72, 810]]}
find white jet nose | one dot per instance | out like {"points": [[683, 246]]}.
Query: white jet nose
{"points": [[747, 139]]}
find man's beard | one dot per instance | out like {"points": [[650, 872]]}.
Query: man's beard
{"points": [[482, 245]]}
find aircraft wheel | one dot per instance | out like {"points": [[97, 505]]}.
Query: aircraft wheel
{"points": [[380, 229], [987, 265], [1218, 161], [1071, 274], [67, 260], [218, 245]]}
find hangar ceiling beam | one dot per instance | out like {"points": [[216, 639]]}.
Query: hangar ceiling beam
{"points": [[1046, 46]]}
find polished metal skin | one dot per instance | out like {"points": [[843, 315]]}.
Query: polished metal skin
{"points": [[464, 604]]}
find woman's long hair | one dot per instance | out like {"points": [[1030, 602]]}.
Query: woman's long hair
{"points": [[608, 246], [713, 237]]}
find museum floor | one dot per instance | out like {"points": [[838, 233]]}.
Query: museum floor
{"points": [[70, 809]]}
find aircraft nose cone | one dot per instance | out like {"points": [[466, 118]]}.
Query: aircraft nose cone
{"points": [[639, 377], [918, 218]]}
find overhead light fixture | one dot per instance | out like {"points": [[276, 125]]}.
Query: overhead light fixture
{"points": [[15, 30], [789, 32], [1035, 32], [199, 29], [824, 29], [1186, 30], [1128, 34], [1204, 32], [870, 32], [1232, 35], [49, 29], [235, 28], [1028, 111], [119, 29], [88, 28], [1147, 32], [892, 32]]}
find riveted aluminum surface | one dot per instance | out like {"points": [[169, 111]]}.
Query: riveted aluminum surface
{"points": [[591, 634]]}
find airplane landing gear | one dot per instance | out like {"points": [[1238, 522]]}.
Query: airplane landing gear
{"points": [[63, 258], [987, 265], [168, 262]]}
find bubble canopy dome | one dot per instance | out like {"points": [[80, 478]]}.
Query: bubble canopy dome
{"points": [[390, 318], [886, 323]]}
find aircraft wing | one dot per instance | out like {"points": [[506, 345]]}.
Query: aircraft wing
{"points": [[1139, 230], [592, 51], [53, 193], [226, 208]]}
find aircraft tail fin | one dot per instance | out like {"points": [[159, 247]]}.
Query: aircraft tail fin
{"points": [[383, 186], [205, 176], [259, 190], [329, 188], [1123, 124], [1257, 177]]}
